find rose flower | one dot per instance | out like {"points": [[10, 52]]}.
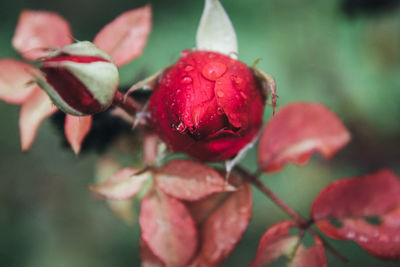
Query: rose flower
{"points": [[207, 105]]}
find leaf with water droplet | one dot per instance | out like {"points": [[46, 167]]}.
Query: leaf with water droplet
{"points": [[353, 202]]}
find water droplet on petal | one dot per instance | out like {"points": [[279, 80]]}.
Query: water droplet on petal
{"points": [[186, 80], [185, 52], [181, 127], [220, 93], [220, 111], [188, 68], [237, 80], [213, 70], [178, 91]]}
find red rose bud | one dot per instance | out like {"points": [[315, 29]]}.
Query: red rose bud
{"points": [[80, 79], [207, 105]]}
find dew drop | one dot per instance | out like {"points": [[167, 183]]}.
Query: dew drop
{"points": [[181, 127], [178, 91], [186, 80], [185, 52], [220, 111], [243, 95], [363, 239], [351, 235], [220, 93], [213, 70], [237, 80], [188, 68]]}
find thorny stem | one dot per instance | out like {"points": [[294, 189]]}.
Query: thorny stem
{"points": [[127, 104], [301, 221]]}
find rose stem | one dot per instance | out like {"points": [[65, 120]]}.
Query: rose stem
{"points": [[127, 104], [302, 222]]}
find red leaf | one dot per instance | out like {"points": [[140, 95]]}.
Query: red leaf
{"points": [[224, 227], [354, 201], [310, 257], [277, 242], [203, 208], [168, 229], [296, 131], [33, 111], [123, 184], [148, 259], [76, 129], [14, 80], [125, 37], [37, 31], [189, 180]]}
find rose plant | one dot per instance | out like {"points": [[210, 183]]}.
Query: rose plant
{"points": [[210, 106]]}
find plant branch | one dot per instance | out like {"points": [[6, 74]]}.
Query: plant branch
{"points": [[271, 195], [127, 104], [301, 221]]}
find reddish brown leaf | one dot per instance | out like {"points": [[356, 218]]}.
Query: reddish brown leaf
{"points": [[106, 166], [224, 227], [296, 131], [14, 80], [363, 209], [33, 111], [123, 184], [277, 242], [168, 229], [148, 259], [203, 208], [37, 31], [76, 129], [125, 37], [189, 180]]}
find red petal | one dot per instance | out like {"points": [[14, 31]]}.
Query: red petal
{"points": [[148, 258], [352, 202], [14, 79], [123, 184], [296, 131], [76, 129], [37, 31], [277, 241], [189, 180], [33, 111], [125, 37], [225, 226], [168, 229]]}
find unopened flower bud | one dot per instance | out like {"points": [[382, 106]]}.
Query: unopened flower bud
{"points": [[207, 105], [80, 79]]}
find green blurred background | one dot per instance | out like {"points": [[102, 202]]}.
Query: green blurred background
{"points": [[345, 54]]}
